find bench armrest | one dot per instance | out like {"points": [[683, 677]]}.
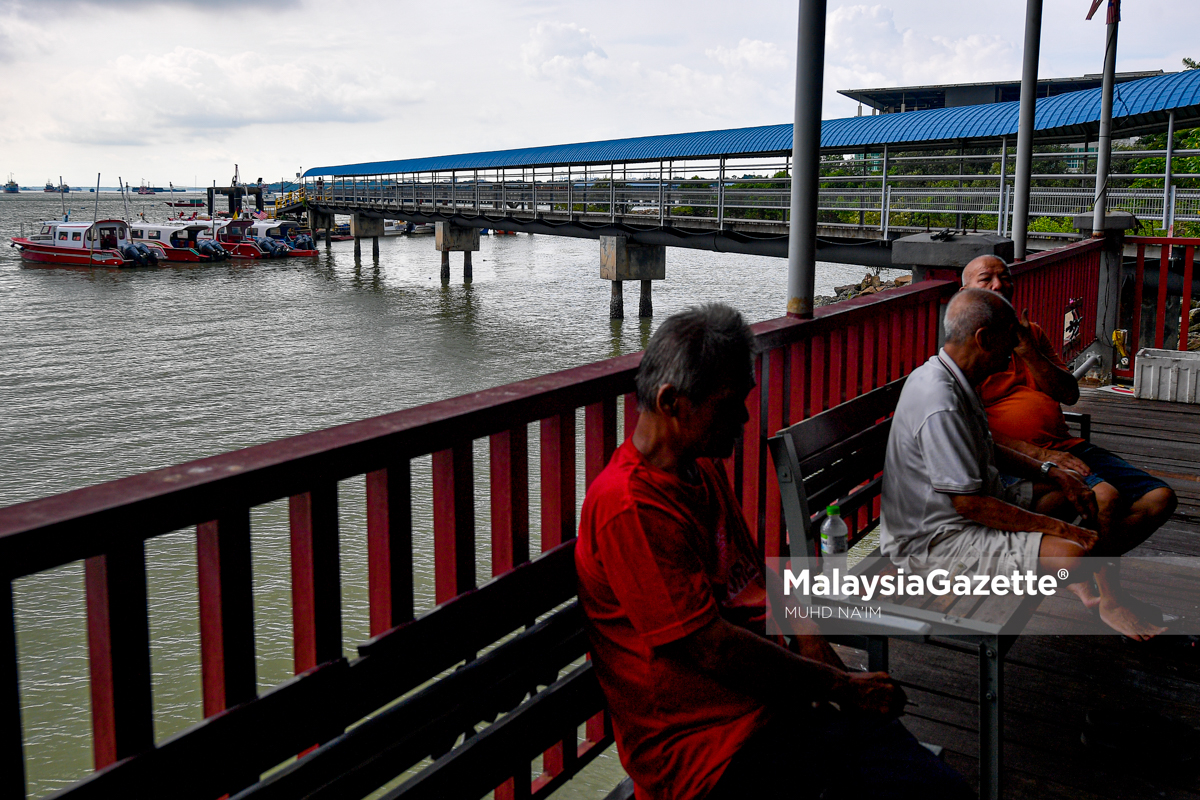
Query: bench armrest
{"points": [[1084, 421]]}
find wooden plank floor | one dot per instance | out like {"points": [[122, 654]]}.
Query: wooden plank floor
{"points": [[1050, 682]]}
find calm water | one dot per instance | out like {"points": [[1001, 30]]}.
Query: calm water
{"points": [[107, 373]]}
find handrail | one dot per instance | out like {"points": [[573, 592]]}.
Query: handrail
{"points": [[804, 367], [1157, 332]]}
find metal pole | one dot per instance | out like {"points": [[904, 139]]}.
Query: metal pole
{"points": [[1003, 180], [721, 197], [806, 158], [1104, 146], [1029, 77], [883, 191], [95, 217], [1167, 170]]}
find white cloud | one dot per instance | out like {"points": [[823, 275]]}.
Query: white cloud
{"points": [[750, 54], [563, 51]]}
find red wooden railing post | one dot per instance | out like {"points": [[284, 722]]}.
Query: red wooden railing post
{"points": [[316, 577], [753, 457], [453, 521], [119, 654], [599, 437], [1189, 253], [1160, 311], [389, 546], [773, 538], [631, 414], [226, 612], [510, 499], [12, 755], [1139, 276], [558, 479]]}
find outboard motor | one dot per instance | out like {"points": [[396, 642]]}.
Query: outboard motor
{"points": [[131, 253], [271, 247], [304, 242], [148, 253]]}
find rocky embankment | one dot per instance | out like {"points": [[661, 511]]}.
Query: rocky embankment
{"points": [[870, 284]]}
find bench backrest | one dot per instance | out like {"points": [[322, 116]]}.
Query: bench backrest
{"points": [[836, 457]]}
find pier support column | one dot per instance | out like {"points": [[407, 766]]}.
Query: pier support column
{"points": [[360, 226], [623, 260], [645, 304], [450, 238], [616, 302], [318, 220], [375, 247]]}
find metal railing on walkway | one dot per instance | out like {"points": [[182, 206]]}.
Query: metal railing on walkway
{"points": [[1161, 302]]}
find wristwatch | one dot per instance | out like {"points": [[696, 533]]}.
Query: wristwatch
{"points": [[1047, 466]]}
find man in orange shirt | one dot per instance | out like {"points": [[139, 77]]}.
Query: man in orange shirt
{"points": [[1024, 413]]}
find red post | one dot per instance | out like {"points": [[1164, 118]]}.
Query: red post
{"points": [[226, 612], [798, 380], [773, 540], [119, 654], [1139, 278], [558, 480], [453, 521], [316, 578], [599, 437], [753, 458], [389, 546], [1189, 253], [836, 356], [12, 756], [818, 368], [631, 414], [1160, 311], [510, 499]]}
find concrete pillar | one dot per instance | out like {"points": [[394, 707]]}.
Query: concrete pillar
{"points": [[623, 260], [1108, 293], [933, 259], [329, 238], [454, 239], [357, 248], [616, 302], [375, 247], [317, 220], [645, 306]]}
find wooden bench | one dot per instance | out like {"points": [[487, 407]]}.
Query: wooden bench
{"points": [[836, 457]]}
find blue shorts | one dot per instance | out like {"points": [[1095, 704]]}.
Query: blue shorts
{"points": [[1131, 482]]}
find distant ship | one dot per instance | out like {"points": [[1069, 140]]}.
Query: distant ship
{"points": [[50, 187], [11, 187]]}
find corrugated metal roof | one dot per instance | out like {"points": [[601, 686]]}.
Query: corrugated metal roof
{"points": [[1138, 105]]}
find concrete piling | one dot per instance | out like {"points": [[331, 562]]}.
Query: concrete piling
{"points": [[450, 238], [360, 226], [616, 303], [357, 248], [623, 260], [375, 247]]}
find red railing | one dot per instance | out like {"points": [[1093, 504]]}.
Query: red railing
{"points": [[1164, 245], [804, 367], [1060, 289]]}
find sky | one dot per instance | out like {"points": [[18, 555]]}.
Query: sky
{"points": [[181, 91]]}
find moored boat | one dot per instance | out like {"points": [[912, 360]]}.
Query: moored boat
{"points": [[179, 241], [105, 243], [231, 235], [192, 202], [11, 186], [286, 232]]}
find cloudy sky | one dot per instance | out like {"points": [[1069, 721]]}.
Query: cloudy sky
{"points": [[180, 91]]}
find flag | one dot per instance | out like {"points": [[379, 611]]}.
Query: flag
{"points": [[1114, 10]]}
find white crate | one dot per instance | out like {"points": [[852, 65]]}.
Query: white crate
{"points": [[1172, 375]]}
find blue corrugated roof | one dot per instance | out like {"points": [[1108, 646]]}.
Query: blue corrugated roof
{"points": [[1065, 114]]}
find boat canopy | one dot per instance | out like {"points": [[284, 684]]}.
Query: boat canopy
{"points": [[79, 234]]}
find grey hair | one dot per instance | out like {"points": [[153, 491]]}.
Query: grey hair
{"points": [[971, 309], [698, 351]]}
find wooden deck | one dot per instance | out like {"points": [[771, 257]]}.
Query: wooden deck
{"points": [[1050, 682]]}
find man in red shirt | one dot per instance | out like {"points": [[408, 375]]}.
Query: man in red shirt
{"points": [[672, 585], [1022, 405]]}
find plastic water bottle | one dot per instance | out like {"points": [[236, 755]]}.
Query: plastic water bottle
{"points": [[834, 544]]}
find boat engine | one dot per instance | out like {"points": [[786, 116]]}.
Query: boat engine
{"points": [[304, 242], [148, 253], [207, 247], [132, 253], [271, 247]]}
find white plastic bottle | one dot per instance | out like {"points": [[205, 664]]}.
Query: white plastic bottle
{"points": [[834, 542]]}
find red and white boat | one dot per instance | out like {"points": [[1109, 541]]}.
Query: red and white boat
{"points": [[179, 241], [105, 243], [299, 242]]}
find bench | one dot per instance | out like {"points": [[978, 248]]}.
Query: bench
{"points": [[836, 457]]}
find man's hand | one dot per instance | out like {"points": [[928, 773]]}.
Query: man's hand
{"points": [[1081, 536], [1065, 460], [870, 693], [1025, 344], [1077, 492]]}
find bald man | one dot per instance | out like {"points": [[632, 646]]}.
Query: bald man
{"points": [[943, 498], [1022, 403]]}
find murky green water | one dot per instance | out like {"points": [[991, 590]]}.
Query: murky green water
{"points": [[107, 373]]}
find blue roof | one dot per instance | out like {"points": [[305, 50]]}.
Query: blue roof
{"points": [[1138, 106]]}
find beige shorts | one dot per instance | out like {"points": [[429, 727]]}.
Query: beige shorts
{"points": [[980, 550]]}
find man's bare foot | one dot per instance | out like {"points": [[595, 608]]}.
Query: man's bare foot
{"points": [[1124, 621], [1086, 592]]}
